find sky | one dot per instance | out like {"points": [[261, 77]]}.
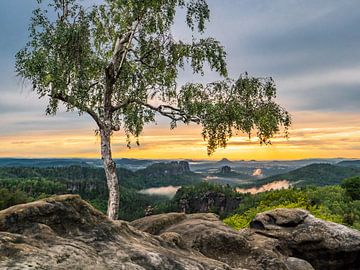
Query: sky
{"points": [[310, 47]]}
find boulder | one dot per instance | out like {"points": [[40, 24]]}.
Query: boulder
{"points": [[298, 264], [326, 245]]}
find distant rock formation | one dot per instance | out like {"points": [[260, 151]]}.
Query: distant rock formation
{"points": [[165, 169], [183, 166], [224, 161], [210, 201], [65, 232], [225, 169]]}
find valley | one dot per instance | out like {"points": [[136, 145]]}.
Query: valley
{"points": [[166, 186]]}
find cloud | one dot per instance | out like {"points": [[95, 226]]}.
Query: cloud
{"points": [[329, 98], [309, 47], [169, 191], [257, 173]]}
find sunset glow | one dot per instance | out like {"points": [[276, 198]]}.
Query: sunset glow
{"points": [[308, 139], [313, 59]]}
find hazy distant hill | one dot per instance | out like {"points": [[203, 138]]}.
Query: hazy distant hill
{"points": [[45, 162], [224, 162], [314, 174], [131, 164], [349, 163], [155, 175]]}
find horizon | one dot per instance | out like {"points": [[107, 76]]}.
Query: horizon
{"points": [[311, 51], [182, 159]]}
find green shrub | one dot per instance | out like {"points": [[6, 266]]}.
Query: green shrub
{"points": [[352, 187], [328, 203]]}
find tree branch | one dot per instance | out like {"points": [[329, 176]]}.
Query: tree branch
{"points": [[171, 112], [121, 49], [66, 99], [112, 71], [93, 84], [122, 105]]}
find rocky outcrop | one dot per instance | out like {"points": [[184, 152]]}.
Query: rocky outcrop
{"points": [[158, 223], [210, 201], [279, 239], [173, 168], [326, 245], [225, 170], [208, 235], [64, 232]]}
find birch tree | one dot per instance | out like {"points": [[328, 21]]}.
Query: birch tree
{"points": [[118, 61]]}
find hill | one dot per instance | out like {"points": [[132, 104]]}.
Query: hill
{"points": [[78, 177], [45, 162], [349, 163], [165, 174], [224, 162], [315, 174]]}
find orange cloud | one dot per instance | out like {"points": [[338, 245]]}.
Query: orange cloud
{"points": [[312, 135]]}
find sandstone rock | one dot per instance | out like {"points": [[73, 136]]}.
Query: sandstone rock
{"points": [[174, 238], [278, 239], [326, 245], [157, 223], [207, 234], [283, 217], [298, 264], [65, 232]]}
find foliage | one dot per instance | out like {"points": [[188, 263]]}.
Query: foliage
{"points": [[84, 177], [352, 187], [328, 203], [198, 189], [9, 198], [19, 185], [34, 187], [90, 183], [132, 203], [119, 62], [116, 60]]}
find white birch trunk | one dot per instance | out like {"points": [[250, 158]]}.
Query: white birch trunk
{"points": [[111, 177]]}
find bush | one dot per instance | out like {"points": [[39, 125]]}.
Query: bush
{"points": [[9, 198]]}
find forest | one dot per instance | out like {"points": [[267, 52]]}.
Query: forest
{"points": [[339, 202]]}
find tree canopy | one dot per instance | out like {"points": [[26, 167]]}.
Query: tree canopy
{"points": [[352, 187], [119, 62]]}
